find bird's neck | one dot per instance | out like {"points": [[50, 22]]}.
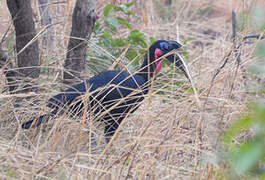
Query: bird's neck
{"points": [[148, 68]]}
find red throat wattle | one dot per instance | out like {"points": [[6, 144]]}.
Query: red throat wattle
{"points": [[158, 63]]}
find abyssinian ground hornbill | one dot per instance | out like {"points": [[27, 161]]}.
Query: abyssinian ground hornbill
{"points": [[113, 94]]}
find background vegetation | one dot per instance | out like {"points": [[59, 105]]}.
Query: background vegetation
{"points": [[170, 136]]}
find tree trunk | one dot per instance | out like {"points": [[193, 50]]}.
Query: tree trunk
{"points": [[46, 20], [27, 51], [168, 2], [9, 72], [83, 20]]}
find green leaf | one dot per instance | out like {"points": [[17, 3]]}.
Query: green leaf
{"points": [[108, 10], [259, 113], [118, 42], [11, 174], [258, 18], [137, 38], [152, 40], [260, 49], [236, 128], [189, 39], [142, 51], [107, 39], [124, 22], [113, 21], [129, 4], [131, 54], [107, 35], [248, 156], [9, 40], [123, 8], [185, 53], [257, 68], [97, 28]]}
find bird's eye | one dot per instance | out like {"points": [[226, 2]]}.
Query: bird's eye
{"points": [[164, 46]]}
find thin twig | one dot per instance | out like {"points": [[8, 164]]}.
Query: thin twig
{"points": [[226, 58], [234, 25]]}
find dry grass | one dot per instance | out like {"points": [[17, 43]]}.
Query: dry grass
{"points": [[168, 137]]}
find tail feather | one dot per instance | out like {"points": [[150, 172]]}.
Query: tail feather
{"points": [[35, 122]]}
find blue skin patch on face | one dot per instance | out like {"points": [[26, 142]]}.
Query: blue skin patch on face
{"points": [[164, 46]]}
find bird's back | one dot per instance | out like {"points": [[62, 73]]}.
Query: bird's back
{"points": [[105, 89]]}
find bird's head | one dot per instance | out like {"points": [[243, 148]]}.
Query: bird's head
{"points": [[163, 48]]}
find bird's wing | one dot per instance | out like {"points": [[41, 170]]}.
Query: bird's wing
{"points": [[68, 96], [122, 87], [105, 88], [71, 94]]}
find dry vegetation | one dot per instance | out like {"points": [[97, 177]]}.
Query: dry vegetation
{"points": [[169, 136]]}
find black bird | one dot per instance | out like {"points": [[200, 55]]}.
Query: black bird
{"points": [[113, 94]]}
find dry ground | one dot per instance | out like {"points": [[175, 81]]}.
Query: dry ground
{"points": [[170, 136]]}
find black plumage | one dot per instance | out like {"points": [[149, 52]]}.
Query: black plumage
{"points": [[112, 94]]}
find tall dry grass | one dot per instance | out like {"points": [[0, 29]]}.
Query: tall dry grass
{"points": [[168, 137]]}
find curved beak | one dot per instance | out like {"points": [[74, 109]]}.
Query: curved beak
{"points": [[174, 45], [174, 58]]}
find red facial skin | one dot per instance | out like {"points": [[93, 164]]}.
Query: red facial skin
{"points": [[158, 63]]}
